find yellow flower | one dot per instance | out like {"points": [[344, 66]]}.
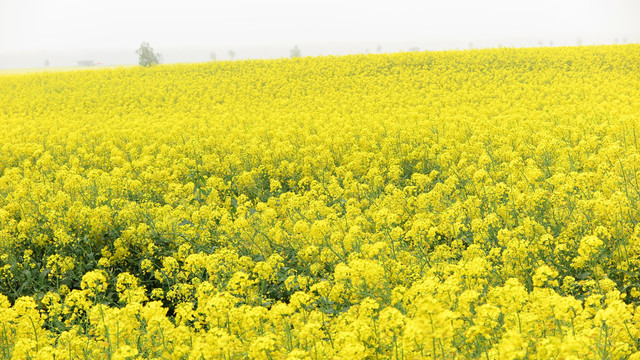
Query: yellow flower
{"points": [[263, 347], [95, 282], [545, 275], [128, 289], [512, 346], [589, 246], [455, 204]]}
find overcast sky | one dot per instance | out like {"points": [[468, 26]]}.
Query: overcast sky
{"points": [[188, 30]]}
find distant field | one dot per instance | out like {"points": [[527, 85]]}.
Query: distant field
{"points": [[56, 69], [480, 204]]}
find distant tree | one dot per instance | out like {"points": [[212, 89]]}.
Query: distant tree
{"points": [[470, 45], [295, 52], [86, 63], [414, 49], [379, 49], [146, 56], [232, 54], [212, 56], [46, 62], [579, 41]]}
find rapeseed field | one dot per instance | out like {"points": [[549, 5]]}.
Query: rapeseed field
{"points": [[436, 205]]}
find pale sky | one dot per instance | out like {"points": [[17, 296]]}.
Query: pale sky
{"points": [[189, 30]]}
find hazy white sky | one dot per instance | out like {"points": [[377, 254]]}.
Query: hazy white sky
{"points": [[73, 26]]}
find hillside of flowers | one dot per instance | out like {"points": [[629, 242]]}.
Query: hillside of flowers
{"points": [[435, 205]]}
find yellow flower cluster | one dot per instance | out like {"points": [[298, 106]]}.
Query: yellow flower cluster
{"points": [[457, 204]]}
